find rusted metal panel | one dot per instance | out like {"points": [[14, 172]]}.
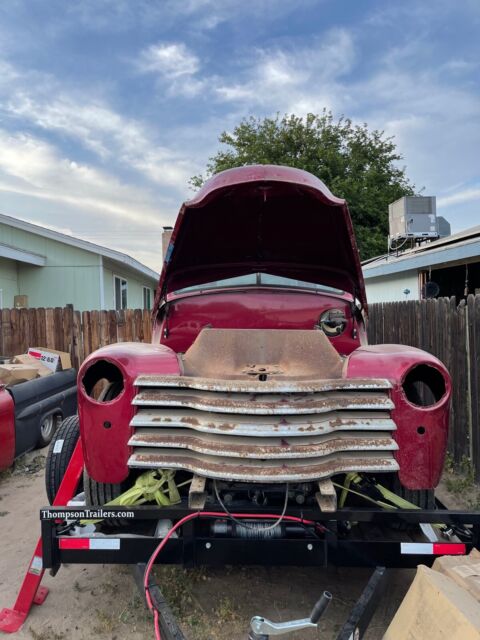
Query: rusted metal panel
{"points": [[269, 386], [264, 404], [261, 426], [262, 448], [263, 431], [292, 470]]}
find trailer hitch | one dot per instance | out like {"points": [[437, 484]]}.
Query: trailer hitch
{"points": [[262, 628]]}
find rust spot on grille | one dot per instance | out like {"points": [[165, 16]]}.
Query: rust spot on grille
{"points": [[189, 420]]}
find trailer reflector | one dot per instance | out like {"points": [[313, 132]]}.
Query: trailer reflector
{"points": [[90, 544], [433, 548]]}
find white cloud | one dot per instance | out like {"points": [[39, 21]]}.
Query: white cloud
{"points": [[99, 128], [280, 80], [170, 60], [30, 166], [466, 195]]}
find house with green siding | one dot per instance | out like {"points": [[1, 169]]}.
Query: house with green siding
{"points": [[40, 267]]}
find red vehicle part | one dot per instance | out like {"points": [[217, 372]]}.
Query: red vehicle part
{"points": [[31, 592], [252, 308], [7, 429], [279, 220], [422, 431], [105, 426]]}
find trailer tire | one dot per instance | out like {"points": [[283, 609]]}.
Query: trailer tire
{"points": [[99, 493], [59, 455]]}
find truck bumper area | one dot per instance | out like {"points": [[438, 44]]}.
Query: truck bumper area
{"points": [[275, 431]]}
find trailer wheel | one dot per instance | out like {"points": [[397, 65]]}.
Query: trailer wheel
{"points": [[99, 493], [59, 455]]}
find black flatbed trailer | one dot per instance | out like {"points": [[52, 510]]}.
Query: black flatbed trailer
{"points": [[368, 540], [356, 537]]}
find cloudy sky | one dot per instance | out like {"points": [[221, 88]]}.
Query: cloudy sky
{"points": [[108, 107]]}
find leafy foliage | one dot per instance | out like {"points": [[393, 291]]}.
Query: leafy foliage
{"points": [[355, 163]]}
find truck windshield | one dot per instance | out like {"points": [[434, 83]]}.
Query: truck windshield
{"points": [[260, 279]]}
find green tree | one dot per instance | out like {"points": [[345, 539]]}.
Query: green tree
{"points": [[355, 163]]}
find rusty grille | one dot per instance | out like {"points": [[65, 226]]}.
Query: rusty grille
{"points": [[273, 431]]}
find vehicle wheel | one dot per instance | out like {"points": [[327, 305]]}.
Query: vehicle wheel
{"points": [[99, 493], [423, 498], [48, 426], [59, 455]]}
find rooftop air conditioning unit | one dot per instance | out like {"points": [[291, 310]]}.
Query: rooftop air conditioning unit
{"points": [[413, 217]]}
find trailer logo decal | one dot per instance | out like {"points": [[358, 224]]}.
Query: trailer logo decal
{"points": [[85, 514]]}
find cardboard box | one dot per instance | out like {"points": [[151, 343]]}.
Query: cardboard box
{"points": [[464, 570], [11, 374], [435, 607], [42, 370], [54, 360]]}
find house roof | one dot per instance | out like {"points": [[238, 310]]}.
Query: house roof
{"points": [[45, 232], [461, 246]]}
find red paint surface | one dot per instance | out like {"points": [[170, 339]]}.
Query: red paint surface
{"points": [[7, 429], [420, 457], [105, 450], [74, 543], [449, 549], [267, 218], [264, 308]]}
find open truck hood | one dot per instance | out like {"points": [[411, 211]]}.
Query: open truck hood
{"points": [[263, 218]]}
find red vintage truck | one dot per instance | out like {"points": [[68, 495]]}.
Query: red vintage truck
{"points": [[259, 374], [259, 426]]}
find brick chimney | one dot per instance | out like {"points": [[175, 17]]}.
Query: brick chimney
{"points": [[166, 235]]}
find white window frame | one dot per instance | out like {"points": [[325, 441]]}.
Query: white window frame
{"points": [[150, 296], [115, 292]]}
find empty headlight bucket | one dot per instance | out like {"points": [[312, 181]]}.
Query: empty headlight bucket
{"points": [[424, 385], [103, 381]]}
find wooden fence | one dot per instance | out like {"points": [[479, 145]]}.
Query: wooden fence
{"points": [[65, 329], [452, 333]]}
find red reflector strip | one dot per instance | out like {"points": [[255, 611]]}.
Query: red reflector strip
{"points": [[449, 549], [73, 543], [433, 548], [90, 544]]}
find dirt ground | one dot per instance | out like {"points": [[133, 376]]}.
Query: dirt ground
{"points": [[103, 601]]}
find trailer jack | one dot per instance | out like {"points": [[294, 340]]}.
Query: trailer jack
{"points": [[262, 628]]}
